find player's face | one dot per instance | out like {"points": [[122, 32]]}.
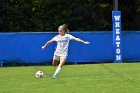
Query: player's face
{"points": [[61, 31]]}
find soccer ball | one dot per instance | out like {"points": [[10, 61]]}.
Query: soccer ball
{"points": [[39, 74]]}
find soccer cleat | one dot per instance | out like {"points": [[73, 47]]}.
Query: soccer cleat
{"points": [[54, 76]]}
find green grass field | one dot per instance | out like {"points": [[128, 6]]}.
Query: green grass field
{"points": [[87, 78]]}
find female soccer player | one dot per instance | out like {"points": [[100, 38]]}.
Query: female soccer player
{"points": [[61, 51]]}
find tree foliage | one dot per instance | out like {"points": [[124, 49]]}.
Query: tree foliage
{"points": [[79, 15]]}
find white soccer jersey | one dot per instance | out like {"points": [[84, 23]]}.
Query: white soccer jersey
{"points": [[62, 44]]}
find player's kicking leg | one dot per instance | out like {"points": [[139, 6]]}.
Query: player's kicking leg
{"points": [[62, 62], [55, 62]]}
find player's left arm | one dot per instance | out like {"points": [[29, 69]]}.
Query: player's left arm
{"points": [[80, 40]]}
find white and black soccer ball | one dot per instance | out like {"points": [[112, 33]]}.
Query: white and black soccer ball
{"points": [[39, 74]]}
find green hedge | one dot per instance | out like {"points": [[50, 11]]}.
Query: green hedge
{"points": [[47, 15]]}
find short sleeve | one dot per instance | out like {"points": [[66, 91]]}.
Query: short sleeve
{"points": [[71, 37], [54, 38]]}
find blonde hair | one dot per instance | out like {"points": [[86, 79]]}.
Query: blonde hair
{"points": [[64, 27]]}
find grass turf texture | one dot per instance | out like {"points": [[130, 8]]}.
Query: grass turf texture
{"points": [[87, 78]]}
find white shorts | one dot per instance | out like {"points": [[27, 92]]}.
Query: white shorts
{"points": [[55, 57]]}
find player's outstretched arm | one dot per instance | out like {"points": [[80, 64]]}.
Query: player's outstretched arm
{"points": [[80, 40], [49, 42]]}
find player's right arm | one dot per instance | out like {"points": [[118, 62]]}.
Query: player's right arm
{"points": [[49, 42]]}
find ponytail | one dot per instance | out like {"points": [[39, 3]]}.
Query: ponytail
{"points": [[65, 28]]}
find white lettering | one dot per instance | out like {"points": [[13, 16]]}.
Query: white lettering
{"points": [[117, 18], [117, 24], [118, 44], [118, 51], [117, 31], [117, 38], [118, 57]]}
